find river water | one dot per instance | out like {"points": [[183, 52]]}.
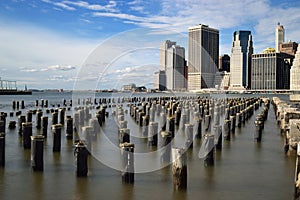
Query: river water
{"points": [[243, 169]]}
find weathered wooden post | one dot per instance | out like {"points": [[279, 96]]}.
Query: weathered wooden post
{"points": [[22, 104], [81, 156], [37, 153], [2, 149], [69, 130], [163, 121], [44, 125], [124, 135], [56, 132], [38, 120], [29, 116], [189, 136], [152, 134], [227, 125], [207, 123], [198, 128], [127, 152], [62, 116], [177, 117], [54, 118], [171, 125], [238, 120], [258, 130], [179, 168], [165, 146], [86, 136], [232, 123], [27, 133], [2, 126], [209, 150], [218, 136], [145, 125]]}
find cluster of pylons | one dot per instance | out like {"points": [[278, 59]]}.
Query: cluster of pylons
{"points": [[211, 120], [288, 119]]}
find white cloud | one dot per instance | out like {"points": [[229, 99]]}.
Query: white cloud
{"points": [[70, 5], [59, 68]]}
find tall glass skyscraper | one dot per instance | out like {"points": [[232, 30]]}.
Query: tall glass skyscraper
{"points": [[203, 56], [240, 60]]}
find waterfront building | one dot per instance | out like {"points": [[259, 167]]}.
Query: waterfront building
{"points": [[129, 87], [203, 56], [270, 71], [279, 36], [295, 72], [224, 63], [175, 68], [160, 80], [240, 60]]}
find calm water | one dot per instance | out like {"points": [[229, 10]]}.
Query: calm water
{"points": [[242, 170]]}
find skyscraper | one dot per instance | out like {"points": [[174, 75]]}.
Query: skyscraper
{"points": [[240, 60], [175, 68], [203, 56], [295, 72], [279, 36], [163, 53], [172, 59]]}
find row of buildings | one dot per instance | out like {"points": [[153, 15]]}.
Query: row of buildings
{"points": [[272, 69]]}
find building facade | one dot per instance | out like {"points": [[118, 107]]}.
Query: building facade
{"points": [[203, 56], [175, 68], [289, 48], [160, 80], [240, 60], [224, 63], [163, 53], [279, 36], [295, 72], [270, 71]]}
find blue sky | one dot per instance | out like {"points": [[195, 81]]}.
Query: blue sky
{"points": [[54, 43]]}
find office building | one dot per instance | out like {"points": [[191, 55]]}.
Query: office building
{"points": [[224, 63], [203, 56], [160, 80], [175, 68], [279, 36], [240, 60], [295, 72], [270, 71], [163, 53]]}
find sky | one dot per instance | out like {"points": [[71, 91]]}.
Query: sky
{"points": [[104, 44]]}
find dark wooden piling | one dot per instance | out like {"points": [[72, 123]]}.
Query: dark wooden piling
{"points": [[258, 130], [29, 116], [22, 104], [232, 123], [87, 132], [217, 130], [44, 126], [189, 136], [171, 125], [207, 123], [124, 135], [38, 120], [12, 124], [127, 153], [163, 121], [166, 138], [209, 143], [179, 168], [81, 159], [227, 126], [198, 128], [2, 126], [27, 133], [69, 130], [37, 153], [62, 116], [152, 134], [21, 120], [56, 133], [2, 149], [54, 118]]}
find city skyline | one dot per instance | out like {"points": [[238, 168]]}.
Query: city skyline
{"points": [[46, 42]]}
